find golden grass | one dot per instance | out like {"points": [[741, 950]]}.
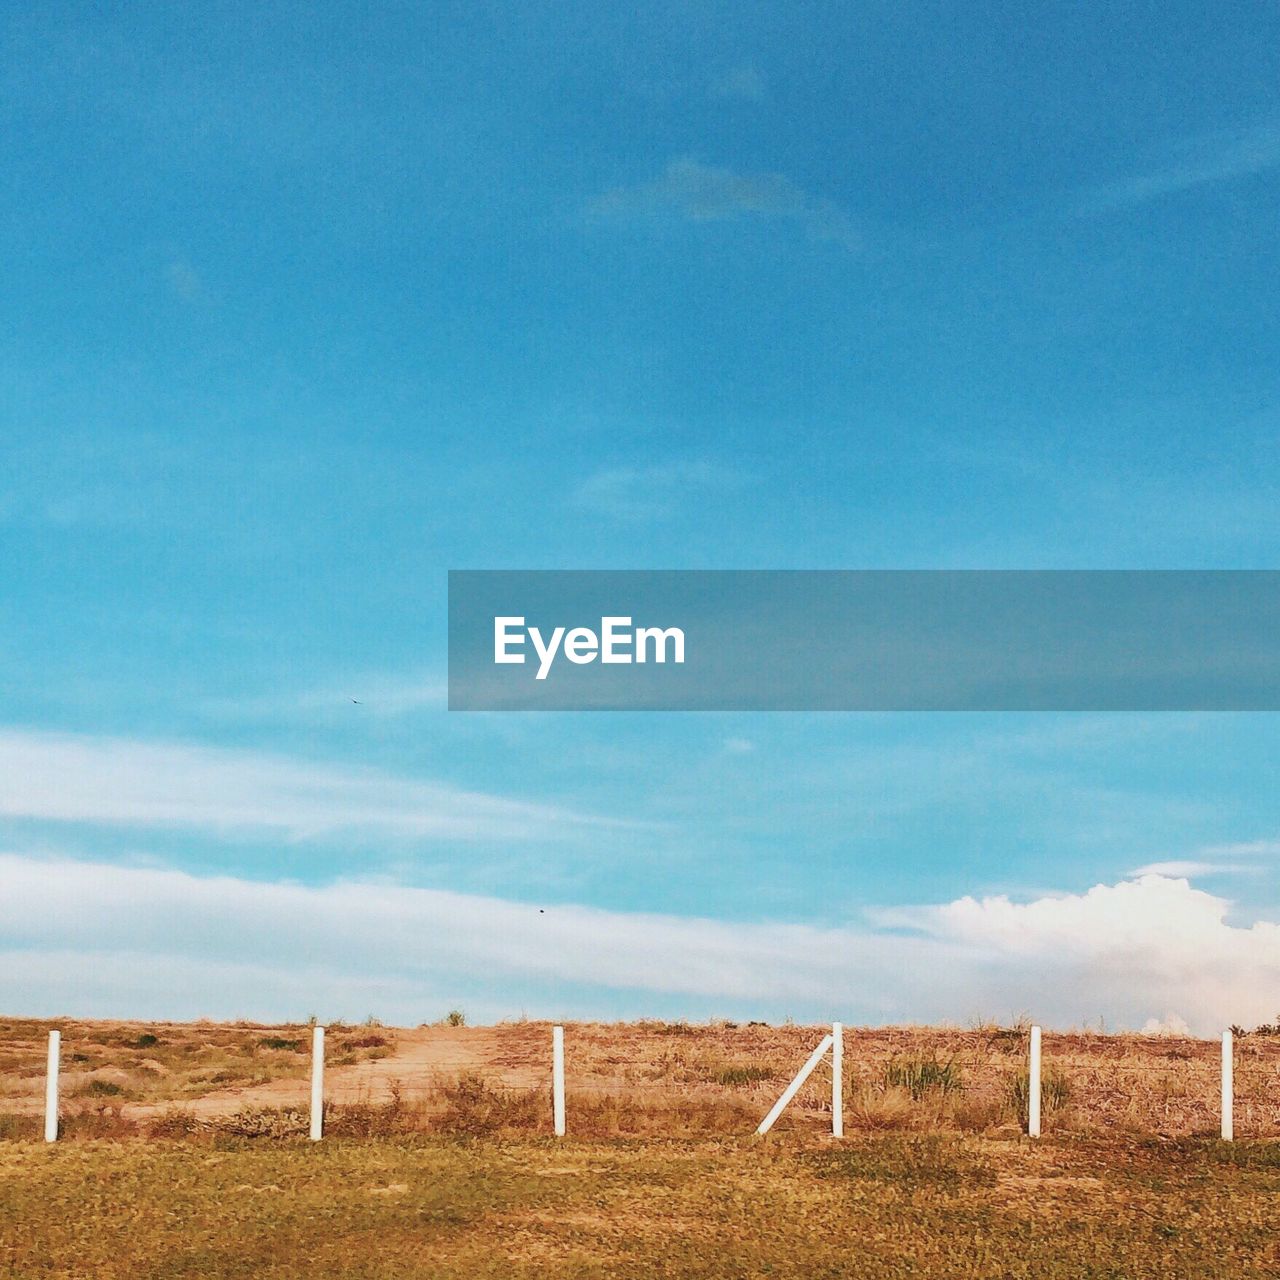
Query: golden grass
{"points": [[880, 1208], [647, 1078], [185, 1161], [151, 1062]]}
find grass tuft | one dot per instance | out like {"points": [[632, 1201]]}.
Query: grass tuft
{"points": [[1055, 1092], [733, 1077], [922, 1076]]}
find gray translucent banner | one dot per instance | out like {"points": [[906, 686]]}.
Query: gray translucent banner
{"points": [[874, 640]]}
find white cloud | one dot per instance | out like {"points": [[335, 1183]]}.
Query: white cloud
{"points": [[119, 781], [1209, 860], [708, 193], [98, 938], [1186, 868], [1243, 849], [1218, 157], [1171, 1024], [1150, 941]]}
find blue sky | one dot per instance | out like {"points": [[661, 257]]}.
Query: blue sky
{"points": [[305, 308]]}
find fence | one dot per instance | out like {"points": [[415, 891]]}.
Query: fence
{"points": [[665, 1082]]}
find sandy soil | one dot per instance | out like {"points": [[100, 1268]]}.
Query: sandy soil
{"points": [[421, 1057]]}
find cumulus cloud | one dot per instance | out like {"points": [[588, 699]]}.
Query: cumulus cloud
{"points": [[1171, 1024], [96, 938], [80, 778], [708, 193], [1150, 941]]}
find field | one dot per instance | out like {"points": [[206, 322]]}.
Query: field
{"points": [[648, 1078], [433, 1207], [183, 1155]]}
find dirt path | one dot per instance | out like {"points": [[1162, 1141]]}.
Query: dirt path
{"points": [[418, 1059]]}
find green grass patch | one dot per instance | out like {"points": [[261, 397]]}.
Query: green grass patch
{"points": [[738, 1076], [923, 1076]]}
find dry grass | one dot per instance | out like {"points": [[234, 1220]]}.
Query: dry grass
{"points": [[437, 1160], [106, 1066], [931, 1078], [638, 1079], [880, 1208]]}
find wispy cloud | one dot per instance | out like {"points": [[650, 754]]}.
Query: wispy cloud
{"points": [[1194, 162], [124, 782], [743, 83], [1244, 849], [1187, 868], [1214, 859], [647, 492], [708, 193], [1129, 952]]}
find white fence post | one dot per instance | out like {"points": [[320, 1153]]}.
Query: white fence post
{"points": [[557, 1079], [51, 1088], [317, 1084], [794, 1087], [1033, 1086], [837, 1080], [1228, 1089]]}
